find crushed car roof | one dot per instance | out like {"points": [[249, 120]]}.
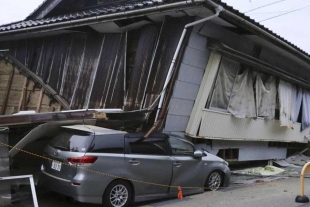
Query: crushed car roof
{"points": [[93, 129]]}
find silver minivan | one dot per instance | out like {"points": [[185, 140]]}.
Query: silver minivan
{"points": [[114, 168]]}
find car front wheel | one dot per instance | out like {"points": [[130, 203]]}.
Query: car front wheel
{"points": [[117, 194], [214, 181]]}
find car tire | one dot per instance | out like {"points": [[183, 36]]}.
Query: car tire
{"points": [[214, 181], [118, 194]]}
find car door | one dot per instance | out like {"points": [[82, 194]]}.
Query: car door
{"points": [[188, 171], [149, 161]]}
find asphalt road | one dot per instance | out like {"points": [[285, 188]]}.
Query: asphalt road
{"points": [[279, 193]]}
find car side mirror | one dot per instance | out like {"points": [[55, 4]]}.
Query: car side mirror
{"points": [[198, 154]]}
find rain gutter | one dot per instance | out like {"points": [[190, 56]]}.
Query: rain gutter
{"points": [[218, 10], [102, 18]]}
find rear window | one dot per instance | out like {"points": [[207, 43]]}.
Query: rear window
{"points": [[72, 141], [112, 143]]}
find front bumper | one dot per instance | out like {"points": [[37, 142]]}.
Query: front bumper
{"points": [[227, 177]]}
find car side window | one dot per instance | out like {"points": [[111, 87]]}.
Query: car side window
{"points": [[180, 147], [150, 146], [113, 143]]}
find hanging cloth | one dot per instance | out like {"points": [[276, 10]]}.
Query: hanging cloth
{"points": [[297, 97], [266, 97], [224, 83], [286, 103], [242, 102], [305, 110]]}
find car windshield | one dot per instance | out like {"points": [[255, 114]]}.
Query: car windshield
{"points": [[73, 141]]}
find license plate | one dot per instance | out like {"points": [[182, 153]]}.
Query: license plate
{"points": [[56, 165]]}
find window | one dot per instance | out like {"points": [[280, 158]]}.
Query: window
{"points": [[72, 140], [180, 147], [224, 84], [243, 91], [150, 146], [108, 144]]}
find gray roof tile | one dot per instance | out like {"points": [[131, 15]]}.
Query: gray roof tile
{"points": [[122, 7]]}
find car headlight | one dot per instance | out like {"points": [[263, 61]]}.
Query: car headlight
{"points": [[226, 163]]}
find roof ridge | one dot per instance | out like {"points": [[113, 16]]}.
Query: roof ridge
{"points": [[36, 9]]}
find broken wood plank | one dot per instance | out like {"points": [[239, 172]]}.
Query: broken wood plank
{"points": [[5, 100], [40, 100], [22, 101]]}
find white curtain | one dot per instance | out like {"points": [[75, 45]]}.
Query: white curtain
{"points": [[266, 97], [224, 83], [286, 98], [305, 109], [242, 102]]}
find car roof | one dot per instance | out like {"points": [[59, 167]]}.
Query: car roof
{"points": [[101, 131], [94, 129], [140, 135]]}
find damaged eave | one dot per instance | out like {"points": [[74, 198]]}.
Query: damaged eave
{"points": [[256, 63], [238, 19], [38, 118], [60, 24]]}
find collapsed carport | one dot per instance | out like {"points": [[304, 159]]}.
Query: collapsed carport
{"points": [[31, 133]]}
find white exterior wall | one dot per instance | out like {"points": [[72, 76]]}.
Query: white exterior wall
{"points": [[187, 85], [219, 125], [187, 107]]}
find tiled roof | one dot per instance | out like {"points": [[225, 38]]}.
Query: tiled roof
{"points": [[125, 6], [107, 9]]}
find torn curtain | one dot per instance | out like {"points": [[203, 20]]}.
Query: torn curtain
{"points": [[266, 97], [286, 98], [224, 83], [305, 110], [242, 102]]}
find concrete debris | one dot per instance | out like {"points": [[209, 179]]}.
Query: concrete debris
{"points": [[263, 171], [284, 163], [298, 159], [250, 180]]}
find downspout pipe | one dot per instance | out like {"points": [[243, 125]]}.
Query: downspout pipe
{"points": [[218, 10]]}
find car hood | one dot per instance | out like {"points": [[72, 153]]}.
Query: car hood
{"points": [[211, 157]]}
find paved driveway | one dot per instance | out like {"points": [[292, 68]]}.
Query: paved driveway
{"points": [[279, 193]]}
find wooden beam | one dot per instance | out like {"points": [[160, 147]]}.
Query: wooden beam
{"points": [[7, 91], [40, 100], [17, 120], [22, 100]]}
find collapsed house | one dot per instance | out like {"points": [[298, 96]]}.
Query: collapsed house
{"points": [[198, 69]]}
